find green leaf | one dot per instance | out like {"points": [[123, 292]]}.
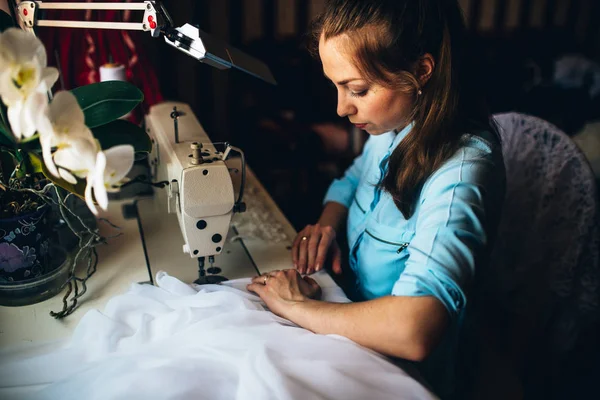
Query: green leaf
{"points": [[38, 165], [104, 102], [31, 144], [7, 163], [31, 139], [6, 136], [6, 21], [123, 132]]}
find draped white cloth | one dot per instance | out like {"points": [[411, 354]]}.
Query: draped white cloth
{"points": [[174, 341]]}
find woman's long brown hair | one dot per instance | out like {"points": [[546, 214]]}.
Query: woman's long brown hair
{"points": [[388, 38]]}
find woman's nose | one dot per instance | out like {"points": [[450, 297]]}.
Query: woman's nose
{"points": [[344, 106]]}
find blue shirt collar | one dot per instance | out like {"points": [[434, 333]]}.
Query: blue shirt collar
{"points": [[401, 135]]}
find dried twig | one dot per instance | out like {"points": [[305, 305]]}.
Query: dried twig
{"points": [[88, 240]]}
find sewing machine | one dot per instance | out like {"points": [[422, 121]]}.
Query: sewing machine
{"points": [[205, 186]]}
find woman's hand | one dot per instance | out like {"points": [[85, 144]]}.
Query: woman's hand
{"points": [[311, 247], [281, 289]]}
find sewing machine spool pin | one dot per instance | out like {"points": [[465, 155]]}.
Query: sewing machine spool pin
{"points": [[196, 156], [175, 115]]}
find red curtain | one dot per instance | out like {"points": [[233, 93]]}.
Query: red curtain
{"points": [[81, 52]]}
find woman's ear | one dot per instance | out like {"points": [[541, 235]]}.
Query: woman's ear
{"points": [[424, 69]]}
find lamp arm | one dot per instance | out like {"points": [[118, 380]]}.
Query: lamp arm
{"points": [[155, 16], [156, 20]]}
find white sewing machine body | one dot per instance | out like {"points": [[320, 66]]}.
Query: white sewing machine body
{"points": [[202, 195]]}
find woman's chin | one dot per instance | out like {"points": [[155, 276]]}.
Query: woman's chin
{"points": [[374, 131]]}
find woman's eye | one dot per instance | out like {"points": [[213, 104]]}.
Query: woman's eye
{"points": [[358, 94]]}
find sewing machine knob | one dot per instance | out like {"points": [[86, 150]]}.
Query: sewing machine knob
{"points": [[201, 224]]}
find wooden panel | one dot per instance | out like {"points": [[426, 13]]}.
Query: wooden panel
{"points": [[584, 19], [513, 14], [252, 20], [474, 14], [316, 7], [466, 9], [286, 21], [486, 18], [538, 13], [560, 12]]}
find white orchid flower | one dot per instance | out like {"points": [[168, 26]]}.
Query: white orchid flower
{"points": [[82, 158], [96, 181], [59, 124], [76, 160], [23, 115], [23, 73], [119, 160], [110, 169]]}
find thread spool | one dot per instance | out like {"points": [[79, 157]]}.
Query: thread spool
{"points": [[112, 72]]}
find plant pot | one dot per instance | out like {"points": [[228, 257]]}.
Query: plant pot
{"points": [[26, 247], [38, 289]]}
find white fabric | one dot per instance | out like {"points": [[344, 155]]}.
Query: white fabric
{"points": [[175, 341]]}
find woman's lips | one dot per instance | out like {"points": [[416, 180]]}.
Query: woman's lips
{"points": [[360, 126]]}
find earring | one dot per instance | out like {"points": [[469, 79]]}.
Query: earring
{"points": [[420, 92]]}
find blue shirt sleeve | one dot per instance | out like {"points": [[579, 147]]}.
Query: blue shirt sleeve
{"points": [[343, 190], [450, 231]]}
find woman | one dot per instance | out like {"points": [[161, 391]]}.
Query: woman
{"points": [[420, 204]]}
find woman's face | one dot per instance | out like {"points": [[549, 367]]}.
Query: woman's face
{"points": [[368, 105]]}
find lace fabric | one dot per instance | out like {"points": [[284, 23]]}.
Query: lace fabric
{"points": [[545, 263]]}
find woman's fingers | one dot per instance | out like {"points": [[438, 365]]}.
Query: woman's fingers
{"points": [[257, 288], [261, 279], [303, 254], [311, 247], [304, 233], [314, 241], [336, 259], [314, 288], [327, 240], [295, 245]]}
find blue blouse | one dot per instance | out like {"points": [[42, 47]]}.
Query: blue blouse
{"points": [[437, 250]]}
